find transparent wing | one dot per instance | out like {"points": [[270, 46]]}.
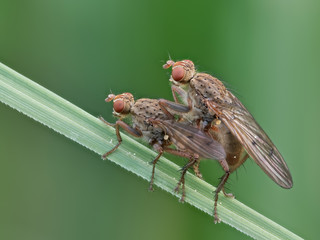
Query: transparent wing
{"points": [[256, 142], [193, 139]]}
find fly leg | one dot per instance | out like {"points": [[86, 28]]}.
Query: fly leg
{"points": [[196, 169], [174, 107], [184, 169], [177, 91], [193, 158], [229, 195], [134, 132], [159, 149], [223, 180], [242, 160]]}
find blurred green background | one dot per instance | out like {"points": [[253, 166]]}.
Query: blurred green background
{"points": [[267, 52]]}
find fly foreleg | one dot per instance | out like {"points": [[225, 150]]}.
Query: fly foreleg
{"points": [[170, 108], [132, 131], [178, 93]]}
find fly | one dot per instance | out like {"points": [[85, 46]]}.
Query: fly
{"points": [[162, 132], [211, 107]]}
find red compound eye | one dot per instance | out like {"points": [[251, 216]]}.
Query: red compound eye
{"points": [[178, 73], [118, 106]]}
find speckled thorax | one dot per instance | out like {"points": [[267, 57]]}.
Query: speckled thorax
{"points": [[209, 87], [202, 86], [144, 109]]}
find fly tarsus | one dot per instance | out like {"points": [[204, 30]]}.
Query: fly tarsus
{"points": [[228, 195], [196, 169], [154, 162], [104, 156], [216, 195]]}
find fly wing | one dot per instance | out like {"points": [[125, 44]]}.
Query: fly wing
{"points": [[256, 142], [193, 140]]}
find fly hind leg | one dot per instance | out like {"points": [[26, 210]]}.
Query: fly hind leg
{"points": [[193, 158], [184, 170], [243, 157], [220, 187]]}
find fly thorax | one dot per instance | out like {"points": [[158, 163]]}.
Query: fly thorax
{"points": [[208, 87], [148, 108]]}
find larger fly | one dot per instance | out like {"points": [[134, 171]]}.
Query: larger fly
{"points": [[214, 109]]}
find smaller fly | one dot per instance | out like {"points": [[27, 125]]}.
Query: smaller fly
{"points": [[211, 107], [161, 131]]}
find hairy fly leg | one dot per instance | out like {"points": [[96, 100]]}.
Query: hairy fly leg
{"points": [[126, 127]]}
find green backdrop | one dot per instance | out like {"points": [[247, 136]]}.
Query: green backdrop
{"points": [[267, 53]]}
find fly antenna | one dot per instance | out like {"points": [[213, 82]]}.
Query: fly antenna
{"points": [[110, 97]]}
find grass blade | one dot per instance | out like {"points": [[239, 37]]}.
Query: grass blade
{"points": [[62, 116]]}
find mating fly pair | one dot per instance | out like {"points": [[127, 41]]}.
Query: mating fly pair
{"points": [[161, 131], [213, 124]]}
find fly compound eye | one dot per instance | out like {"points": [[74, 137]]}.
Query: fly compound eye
{"points": [[118, 105], [178, 73]]}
